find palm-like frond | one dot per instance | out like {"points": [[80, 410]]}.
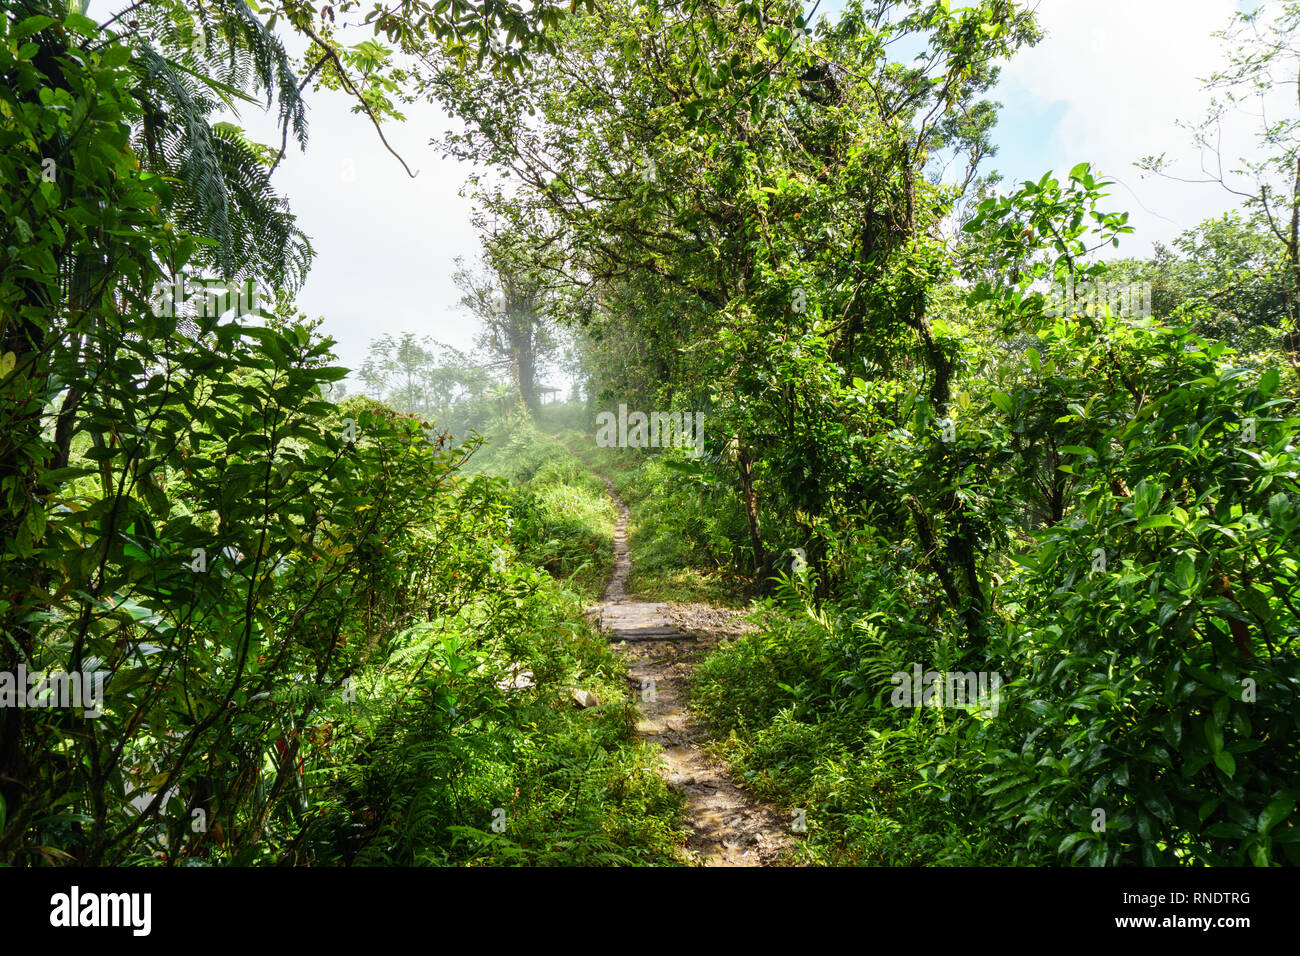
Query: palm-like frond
{"points": [[190, 64]]}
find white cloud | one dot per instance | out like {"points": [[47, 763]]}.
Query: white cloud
{"points": [[385, 243], [1123, 73]]}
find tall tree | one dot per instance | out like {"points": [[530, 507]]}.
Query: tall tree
{"points": [[510, 297], [782, 195]]}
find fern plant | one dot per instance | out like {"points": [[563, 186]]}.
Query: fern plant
{"points": [[191, 63]]}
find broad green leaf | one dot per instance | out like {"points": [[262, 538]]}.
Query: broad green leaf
{"points": [[1277, 811]]}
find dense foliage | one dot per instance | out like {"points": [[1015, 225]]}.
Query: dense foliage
{"points": [[345, 631], [309, 620], [948, 462]]}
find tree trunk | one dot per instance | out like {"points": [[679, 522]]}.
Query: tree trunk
{"points": [[745, 463]]}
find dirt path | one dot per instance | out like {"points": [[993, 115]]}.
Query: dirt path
{"points": [[662, 643]]}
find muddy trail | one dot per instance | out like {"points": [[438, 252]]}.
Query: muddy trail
{"points": [[662, 644]]}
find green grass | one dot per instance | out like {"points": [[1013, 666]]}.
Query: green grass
{"points": [[564, 520], [448, 753], [678, 535], [865, 776]]}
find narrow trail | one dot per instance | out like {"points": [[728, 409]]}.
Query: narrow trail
{"points": [[663, 643]]}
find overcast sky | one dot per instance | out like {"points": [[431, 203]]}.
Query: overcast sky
{"points": [[1107, 85]]}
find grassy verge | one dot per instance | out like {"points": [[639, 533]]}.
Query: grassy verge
{"points": [[476, 753]]}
